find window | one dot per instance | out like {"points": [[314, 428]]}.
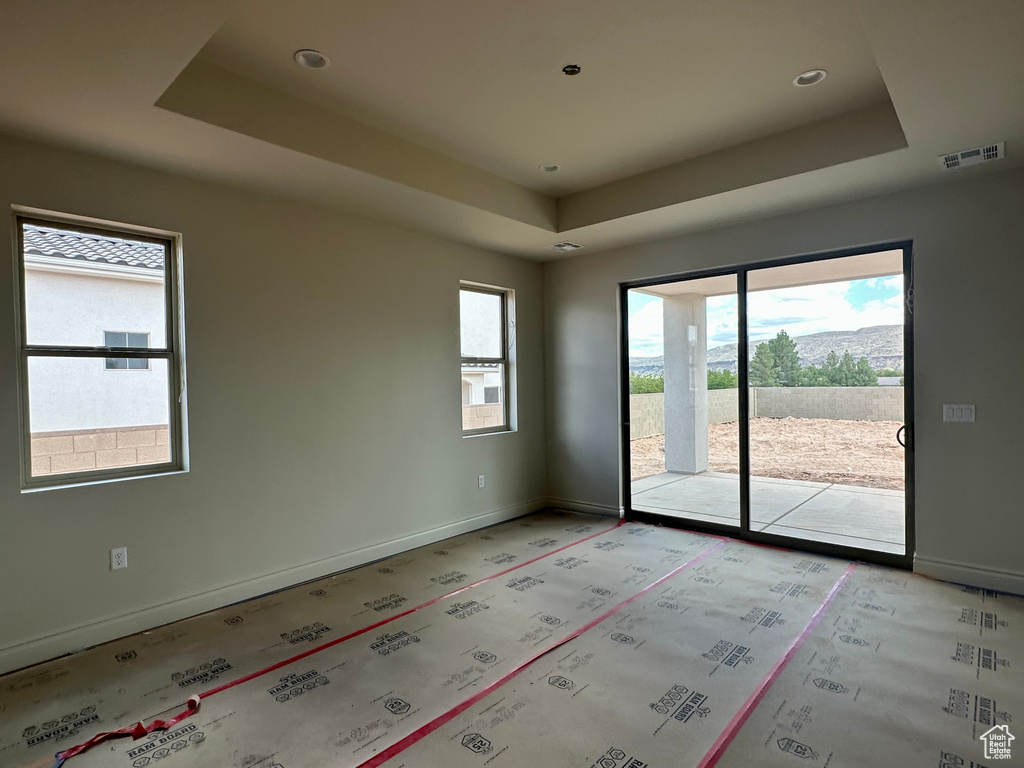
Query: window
{"points": [[81, 423], [486, 325], [126, 339]]}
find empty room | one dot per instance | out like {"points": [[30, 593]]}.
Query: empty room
{"points": [[477, 383]]}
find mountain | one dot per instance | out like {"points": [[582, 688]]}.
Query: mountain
{"points": [[882, 345]]}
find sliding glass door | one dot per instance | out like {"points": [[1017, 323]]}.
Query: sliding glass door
{"points": [[773, 402], [684, 417]]}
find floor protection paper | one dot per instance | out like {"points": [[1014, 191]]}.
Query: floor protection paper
{"points": [[53, 706], [561, 641], [340, 706], [653, 685], [901, 671]]}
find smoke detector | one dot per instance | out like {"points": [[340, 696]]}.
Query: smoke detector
{"points": [[565, 246], [972, 156]]}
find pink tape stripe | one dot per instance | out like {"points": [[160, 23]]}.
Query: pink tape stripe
{"points": [[253, 675], [726, 737], [136, 731], [451, 714], [388, 620]]}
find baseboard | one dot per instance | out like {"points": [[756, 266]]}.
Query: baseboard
{"points": [[972, 575], [50, 646], [582, 506]]}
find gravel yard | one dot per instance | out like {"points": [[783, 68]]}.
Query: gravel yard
{"points": [[863, 453]]}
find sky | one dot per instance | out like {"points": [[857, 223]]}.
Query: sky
{"points": [[842, 306]]}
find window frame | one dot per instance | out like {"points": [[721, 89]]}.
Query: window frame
{"points": [[107, 367], [505, 361], [173, 351]]}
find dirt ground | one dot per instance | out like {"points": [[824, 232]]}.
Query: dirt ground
{"points": [[863, 453]]}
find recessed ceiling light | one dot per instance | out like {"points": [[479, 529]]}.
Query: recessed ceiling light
{"points": [[810, 77], [311, 59], [549, 167], [571, 69]]}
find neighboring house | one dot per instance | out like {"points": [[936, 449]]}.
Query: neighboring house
{"points": [[890, 381], [481, 384], [92, 291]]}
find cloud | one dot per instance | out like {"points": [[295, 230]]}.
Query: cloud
{"points": [[801, 310], [646, 328]]}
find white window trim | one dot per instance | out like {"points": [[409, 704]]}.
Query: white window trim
{"points": [[173, 351], [507, 360]]}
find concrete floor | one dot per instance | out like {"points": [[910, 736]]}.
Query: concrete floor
{"points": [[869, 518]]}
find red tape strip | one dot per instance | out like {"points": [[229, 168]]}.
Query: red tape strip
{"points": [[136, 731], [139, 730], [433, 725], [382, 622], [726, 737]]}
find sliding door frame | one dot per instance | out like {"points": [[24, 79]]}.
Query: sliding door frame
{"points": [[743, 531]]}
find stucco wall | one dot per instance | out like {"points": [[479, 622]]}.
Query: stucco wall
{"points": [[75, 310]]}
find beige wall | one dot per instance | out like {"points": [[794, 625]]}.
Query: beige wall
{"points": [[968, 238], [297, 318]]}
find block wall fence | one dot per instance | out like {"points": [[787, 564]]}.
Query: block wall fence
{"points": [[647, 412], [84, 449]]}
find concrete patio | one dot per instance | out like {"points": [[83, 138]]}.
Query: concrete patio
{"points": [[868, 518]]}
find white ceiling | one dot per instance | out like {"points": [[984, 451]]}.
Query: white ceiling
{"points": [[481, 80], [436, 115]]}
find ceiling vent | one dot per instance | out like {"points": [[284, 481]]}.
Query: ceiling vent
{"points": [[566, 246], [972, 156]]}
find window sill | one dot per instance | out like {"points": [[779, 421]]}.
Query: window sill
{"points": [[71, 483], [489, 432]]}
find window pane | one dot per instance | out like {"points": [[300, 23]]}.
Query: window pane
{"points": [[138, 364], [116, 363], [480, 320], [483, 396], [78, 285], [84, 419], [138, 340], [114, 339]]}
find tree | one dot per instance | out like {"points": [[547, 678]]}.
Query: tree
{"points": [[787, 361], [724, 379], [865, 374], [763, 372], [890, 372], [812, 376], [646, 383]]}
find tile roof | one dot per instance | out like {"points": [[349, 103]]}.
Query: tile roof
{"points": [[79, 246]]}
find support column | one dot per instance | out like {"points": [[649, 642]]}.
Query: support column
{"points": [[686, 384]]}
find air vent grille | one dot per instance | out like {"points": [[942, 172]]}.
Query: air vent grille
{"points": [[566, 245], [972, 156]]}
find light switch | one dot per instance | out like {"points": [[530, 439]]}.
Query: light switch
{"points": [[958, 412]]}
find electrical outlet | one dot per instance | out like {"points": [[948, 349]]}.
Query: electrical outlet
{"points": [[118, 558], [480, 481]]}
